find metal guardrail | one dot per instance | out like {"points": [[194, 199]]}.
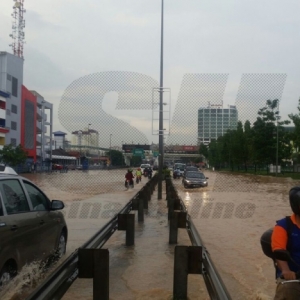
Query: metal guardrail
{"points": [[62, 278], [56, 285], [214, 284]]}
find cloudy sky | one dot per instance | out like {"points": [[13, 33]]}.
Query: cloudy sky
{"points": [[69, 39]]}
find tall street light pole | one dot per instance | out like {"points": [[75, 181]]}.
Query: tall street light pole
{"points": [[277, 118], [79, 143], [110, 147], [43, 135], [89, 134], [161, 133]]}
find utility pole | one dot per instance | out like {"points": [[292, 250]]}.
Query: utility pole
{"points": [[110, 147], [277, 118], [161, 132], [89, 134]]}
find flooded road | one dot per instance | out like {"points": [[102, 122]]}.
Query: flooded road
{"points": [[90, 198], [230, 215]]}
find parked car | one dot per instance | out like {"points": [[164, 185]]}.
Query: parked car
{"points": [[194, 179], [57, 167], [31, 227], [71, 167]]}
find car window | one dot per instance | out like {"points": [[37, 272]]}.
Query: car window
{"points": [[191, 169], [195, 175], [13, 196], [38, 199]]}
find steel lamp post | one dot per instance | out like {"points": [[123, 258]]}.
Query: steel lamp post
{"points": [[161, 126], [110, 147]]}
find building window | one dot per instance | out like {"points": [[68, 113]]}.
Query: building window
{"points": [[13, 142], [29, 125], [13, 125], [14, 109], [14, 87]]}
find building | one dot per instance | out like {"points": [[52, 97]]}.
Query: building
{"points": [[59, 140], [86, 142], [44, 125], [86, 138], [11, 81], [25, 117], [214, 121], [3, 129], [28, 127]]}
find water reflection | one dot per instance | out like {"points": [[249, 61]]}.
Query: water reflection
{"points": [[231, 214]]}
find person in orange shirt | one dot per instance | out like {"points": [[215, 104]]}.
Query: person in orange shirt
{"points": [[281, 240]]}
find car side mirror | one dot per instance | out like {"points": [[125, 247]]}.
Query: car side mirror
{"points": [[57, 205], [282, 255]]}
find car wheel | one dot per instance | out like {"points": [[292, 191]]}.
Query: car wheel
{"points": [[62, 245], [185, 185], [7, 273]]}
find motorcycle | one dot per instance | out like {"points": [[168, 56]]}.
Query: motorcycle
{"points": [[138, 179], [284, 255], [149, 175], [129, 184], [176, 175]]}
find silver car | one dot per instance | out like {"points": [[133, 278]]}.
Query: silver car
{"points": [[31, 227], [194, 179]]}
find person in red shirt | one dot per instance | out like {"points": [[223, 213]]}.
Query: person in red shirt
{"points": [[129, 177], [282, 241]]}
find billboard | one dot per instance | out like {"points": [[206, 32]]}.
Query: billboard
{"points": [[128, 148]]}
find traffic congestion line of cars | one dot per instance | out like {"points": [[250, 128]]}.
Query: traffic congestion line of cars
{"points": [[31, 226], [191, 175], [144, 166]]}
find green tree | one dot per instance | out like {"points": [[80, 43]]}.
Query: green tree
{"points": [[224, 149], [13, 156], [239, 146], [203, 150], [248, 144], [117, 158], [214, 154], [268, 135], [136, 161], [296, 134]]}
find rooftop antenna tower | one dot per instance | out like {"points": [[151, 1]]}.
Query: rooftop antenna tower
{"points": [[18, 25]]}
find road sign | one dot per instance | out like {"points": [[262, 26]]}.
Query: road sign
{"points": [[138, 152], [155, 153]]}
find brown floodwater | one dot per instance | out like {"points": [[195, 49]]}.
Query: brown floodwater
{"points": [[230, 214]]}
